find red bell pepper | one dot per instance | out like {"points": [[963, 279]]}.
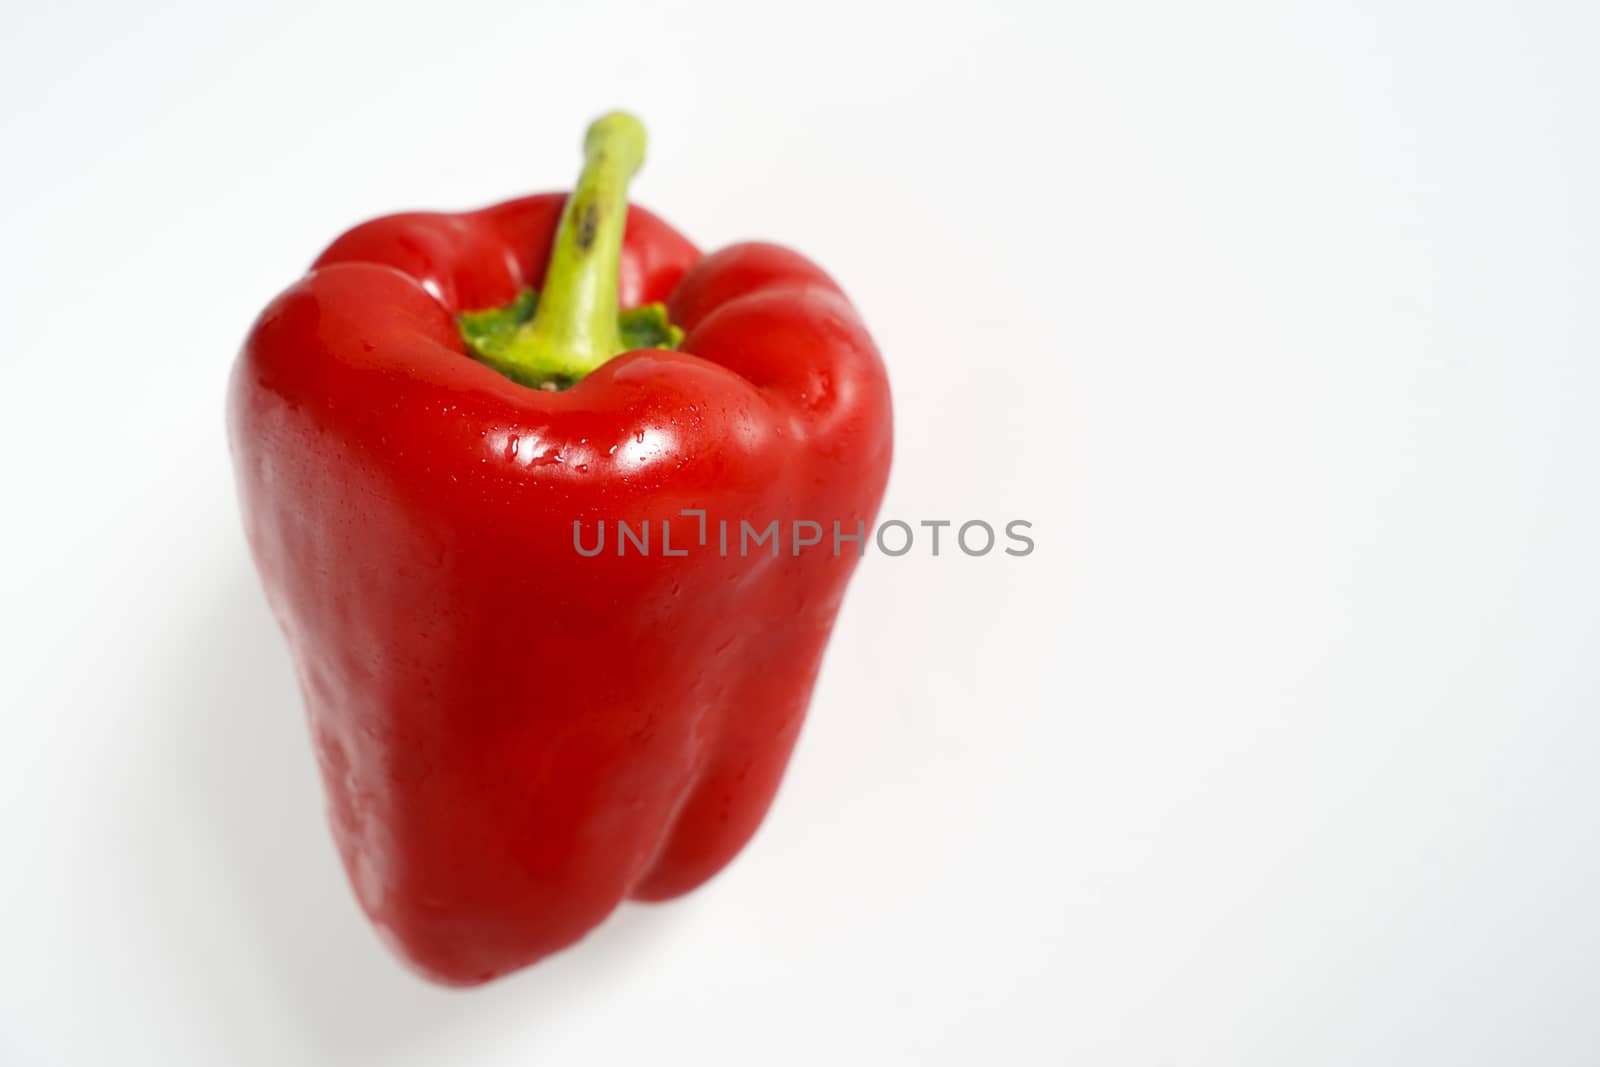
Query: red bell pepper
{"points": [[514, 735]]}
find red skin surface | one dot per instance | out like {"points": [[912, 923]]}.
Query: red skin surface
{"points": [[515, 738]]}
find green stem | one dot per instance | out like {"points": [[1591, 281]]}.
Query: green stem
{"points": [[577, 314], [576, 322]]}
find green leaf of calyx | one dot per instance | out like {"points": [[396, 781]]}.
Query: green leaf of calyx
{"points": [[488, 332], [648, 327]]}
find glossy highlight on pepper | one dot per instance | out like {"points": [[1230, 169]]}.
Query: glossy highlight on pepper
{"points": [[513, 739]]}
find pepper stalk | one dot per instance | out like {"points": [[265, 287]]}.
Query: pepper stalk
{"points": [[553, 338]]}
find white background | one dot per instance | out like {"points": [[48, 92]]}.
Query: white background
{"points": [[1277, 321]]}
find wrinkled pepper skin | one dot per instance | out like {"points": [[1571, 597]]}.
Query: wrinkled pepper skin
{"points": [[515, 738]]}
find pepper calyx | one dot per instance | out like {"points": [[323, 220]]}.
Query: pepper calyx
{"points": [[499, 337]]}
